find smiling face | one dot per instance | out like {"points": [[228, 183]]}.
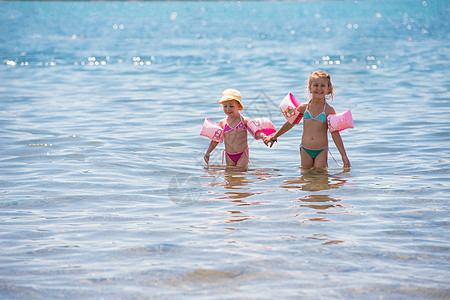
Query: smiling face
{"points": [[231, 108], [320, 80], [319, 87]]}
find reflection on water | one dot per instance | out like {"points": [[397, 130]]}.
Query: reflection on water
{"points": [[314, 207], [236, 182], [326, 207], [326, 240], [321, 204], [236, 216], [241, 186], [237, 186], [317, 180]]}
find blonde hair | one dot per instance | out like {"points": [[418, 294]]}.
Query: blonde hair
{"points": [[321, 74]]}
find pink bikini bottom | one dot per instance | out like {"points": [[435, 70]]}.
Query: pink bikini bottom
{"points": [[236, 156]]}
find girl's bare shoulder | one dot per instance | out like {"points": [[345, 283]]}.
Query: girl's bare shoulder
{"points": [[222, 122], [302, 107], [329, 110]]}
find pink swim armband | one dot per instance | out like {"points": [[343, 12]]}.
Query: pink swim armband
{"points": [[263, 125], [289, 110], [341, 121], [212, 130]]}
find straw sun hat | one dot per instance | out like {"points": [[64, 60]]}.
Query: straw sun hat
{"points": [[232, 94]]}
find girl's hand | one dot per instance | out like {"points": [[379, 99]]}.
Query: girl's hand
{"points": [[346, 162], [268, 140], [206, 158]]}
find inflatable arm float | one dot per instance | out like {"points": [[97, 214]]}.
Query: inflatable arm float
{"points": [[340, 121], [336, 122], [260, 125], [214, 132], [289, 110]]}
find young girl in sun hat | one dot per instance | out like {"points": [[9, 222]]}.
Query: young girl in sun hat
{"points": [[315, 113], [232, 130]]}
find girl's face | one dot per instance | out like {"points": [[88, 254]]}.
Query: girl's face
{"points": [[319, 88], [231, 108]]}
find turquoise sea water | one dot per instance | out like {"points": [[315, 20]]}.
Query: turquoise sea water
{"points": [[103, 191]]}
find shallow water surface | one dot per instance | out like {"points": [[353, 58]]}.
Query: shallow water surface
{"points": [[103, 189]]}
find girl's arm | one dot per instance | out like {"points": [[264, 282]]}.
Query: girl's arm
{"points": [[213, 144], [271, 139], [260, 135], [340, 146], [211, 147]]}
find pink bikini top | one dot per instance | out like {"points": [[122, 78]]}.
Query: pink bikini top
{"points": [[240, 126]]}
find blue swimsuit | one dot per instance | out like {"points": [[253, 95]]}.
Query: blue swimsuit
{"points": [[322, 117]]}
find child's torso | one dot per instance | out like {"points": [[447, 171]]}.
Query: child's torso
{"points": [[235, 137], [320, 117], [314, 134], [239, 126]]}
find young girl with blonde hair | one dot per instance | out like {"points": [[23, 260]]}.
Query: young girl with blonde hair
{"points": [[233, 130], [314, 145]]}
